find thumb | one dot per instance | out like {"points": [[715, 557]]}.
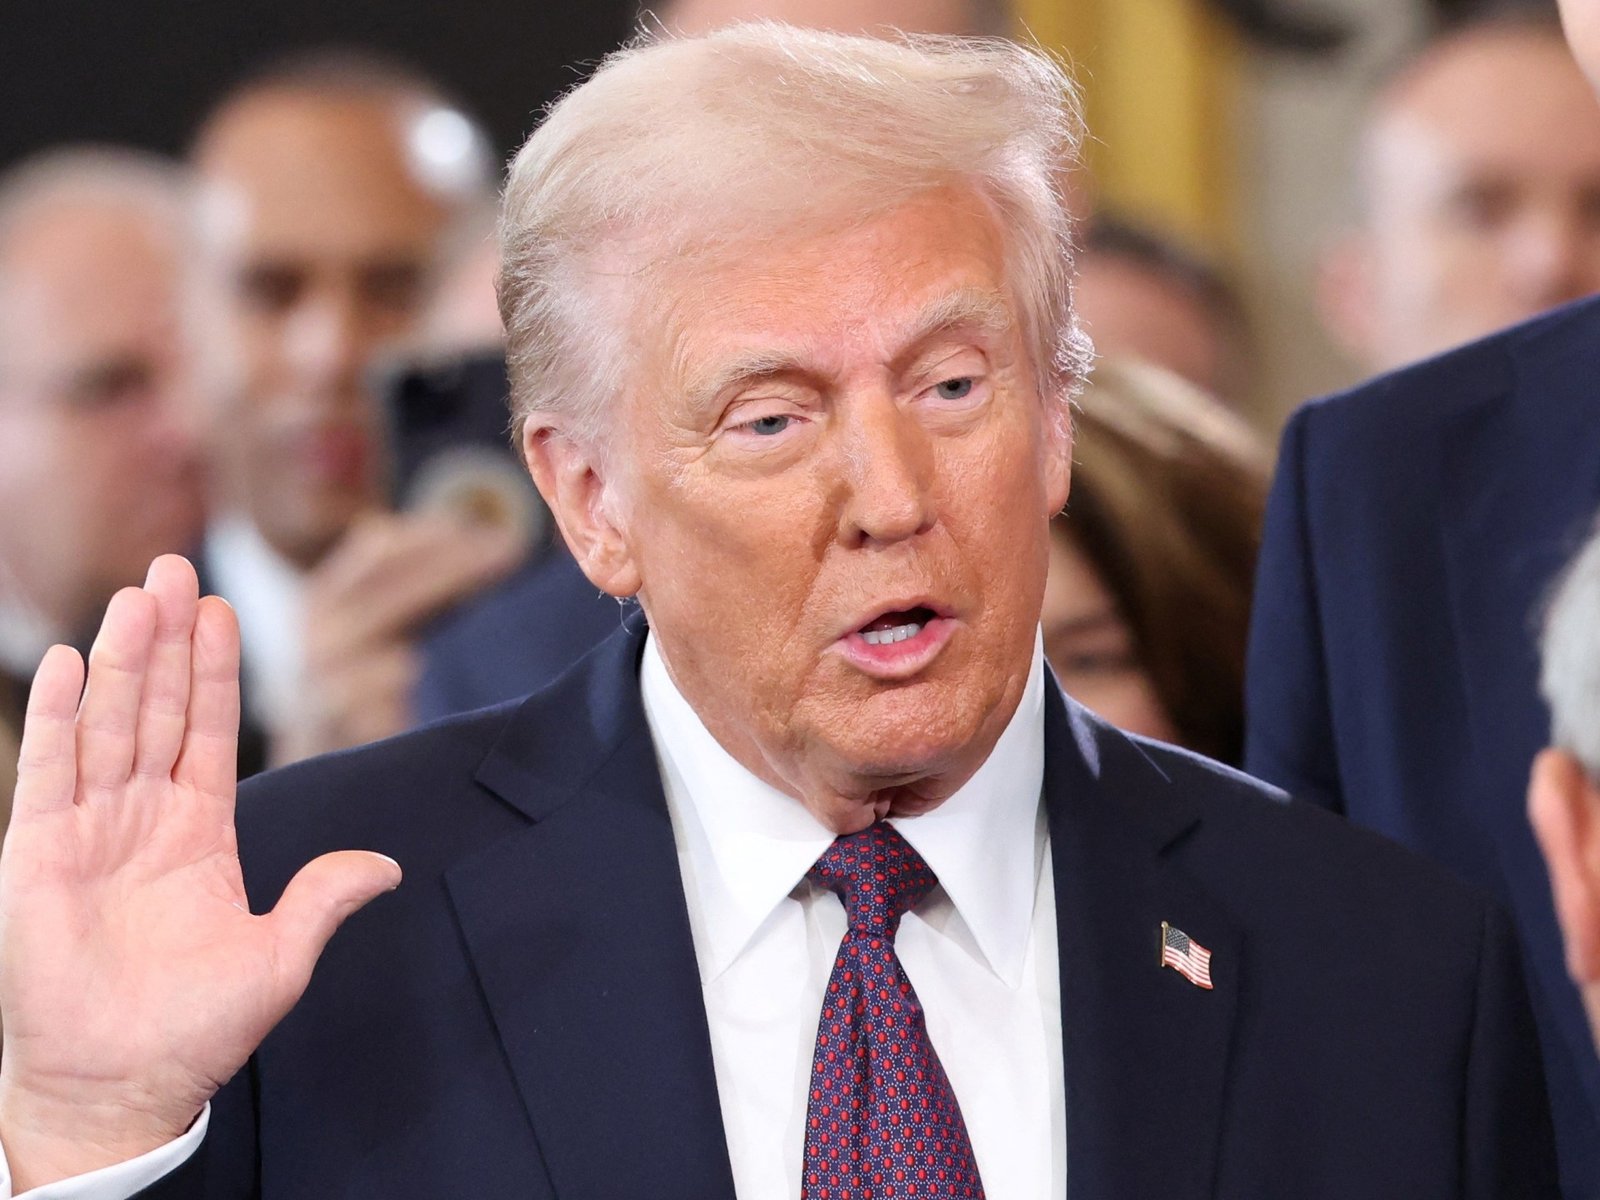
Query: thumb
{"points": [[321, 895]]}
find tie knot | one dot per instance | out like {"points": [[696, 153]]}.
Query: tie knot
{"points": [[877, 874]]}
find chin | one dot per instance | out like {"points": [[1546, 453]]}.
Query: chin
{"points": [[899, 737]]}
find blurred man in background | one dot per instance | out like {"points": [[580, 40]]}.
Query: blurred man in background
{"points": [[1564, 785], [330, 189], [98, 468], [1479, 176], [1145, 296]]}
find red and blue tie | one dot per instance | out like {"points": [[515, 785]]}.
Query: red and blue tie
{"points": [[881, 1121]]}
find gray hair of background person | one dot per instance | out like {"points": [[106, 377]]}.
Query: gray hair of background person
{"points": [[1569, 677], [678, 154], [70, 174]]}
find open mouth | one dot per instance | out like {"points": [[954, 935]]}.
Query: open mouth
{"points": [[898, 626]]}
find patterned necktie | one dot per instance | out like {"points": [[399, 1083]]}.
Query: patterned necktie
{"points": [[881, 1120]]}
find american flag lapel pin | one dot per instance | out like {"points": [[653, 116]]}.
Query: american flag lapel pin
{"points": [[1185, 956]]}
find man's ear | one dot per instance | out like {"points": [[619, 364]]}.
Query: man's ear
{"points": [[571, 479], [1345, 294], [1564, 807]]}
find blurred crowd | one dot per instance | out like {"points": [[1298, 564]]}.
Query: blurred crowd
{"points": [[280, 357]]}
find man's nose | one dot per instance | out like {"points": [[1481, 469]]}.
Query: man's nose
{"points": [[889, 470], [325, 342]]}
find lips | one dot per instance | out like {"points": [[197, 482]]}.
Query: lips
{"points": [[899, 640], [339, 455]]}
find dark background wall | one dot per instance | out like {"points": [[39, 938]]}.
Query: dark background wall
{"points": [[144, 71]]}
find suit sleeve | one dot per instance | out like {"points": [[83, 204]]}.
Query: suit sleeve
{"points": [[1508, 1138], [1288, 723]]}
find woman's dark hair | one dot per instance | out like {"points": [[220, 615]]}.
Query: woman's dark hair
{"points": [[1168, 493]]}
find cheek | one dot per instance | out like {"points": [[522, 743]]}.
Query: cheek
{"points": [[737, 562]]}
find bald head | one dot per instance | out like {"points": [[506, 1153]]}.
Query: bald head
{"points": [[1480, 195], [326, 200], [98, 471]]}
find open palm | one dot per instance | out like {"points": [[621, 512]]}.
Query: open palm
{"points": [[133, 979]]}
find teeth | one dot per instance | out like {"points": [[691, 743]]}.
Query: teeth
{"points": [[895, 633]]}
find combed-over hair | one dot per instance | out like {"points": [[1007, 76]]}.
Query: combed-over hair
{"points": [[677, 150], [1569, 677]]}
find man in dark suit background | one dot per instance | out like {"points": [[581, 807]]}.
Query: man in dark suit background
{"points": [[817, 886], [1414, 528]]}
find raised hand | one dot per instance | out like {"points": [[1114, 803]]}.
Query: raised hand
{"points": [[133, 979]]}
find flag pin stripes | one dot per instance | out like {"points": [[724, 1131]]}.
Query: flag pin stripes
{"points": [[1185, 956]]}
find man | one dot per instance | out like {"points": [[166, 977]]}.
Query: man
{"points": [[1413, 529], [329, 188], [544, 618], [98, 466], [817, 886], [1478, 193], [1143, 296], [1564, 785]]}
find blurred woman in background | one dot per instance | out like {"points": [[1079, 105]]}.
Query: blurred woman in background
{"points": [[1148, 598]]}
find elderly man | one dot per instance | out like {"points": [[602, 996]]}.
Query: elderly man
{"points": [[1413, 530], [99, 470], [817, 886], [1564, 785], [1479, 194]]}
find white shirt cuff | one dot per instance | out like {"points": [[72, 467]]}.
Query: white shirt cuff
{"points": [[119, 1181]]}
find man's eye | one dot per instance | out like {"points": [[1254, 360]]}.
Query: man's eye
{"points": [[768, 426], [954, 389]]}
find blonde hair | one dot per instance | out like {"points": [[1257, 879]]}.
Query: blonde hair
{"points": [[677, 150]]}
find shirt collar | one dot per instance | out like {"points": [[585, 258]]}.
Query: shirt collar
{"points": [[744, 845]]}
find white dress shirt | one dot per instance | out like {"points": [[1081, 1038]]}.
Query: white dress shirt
{"points": [[980, 950], [267, 593]]}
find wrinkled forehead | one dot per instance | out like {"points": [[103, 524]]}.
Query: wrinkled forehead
{"points": [[868, 286]]}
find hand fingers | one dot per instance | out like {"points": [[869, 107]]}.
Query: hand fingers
{"points": [[410, 579], [372, 699], [164, 707], [109, 715], [365, 697], [47, 769], [209, 758], [318, 899]]}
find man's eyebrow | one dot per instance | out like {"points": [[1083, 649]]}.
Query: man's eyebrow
{"points": [[965, 308], [743, 368]]}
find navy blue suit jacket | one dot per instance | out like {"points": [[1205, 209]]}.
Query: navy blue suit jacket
{"points": [[523, 1017], [1414, 527]]}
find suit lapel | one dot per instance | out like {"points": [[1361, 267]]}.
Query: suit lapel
{"points": [[578, 931], [1145, 1051], [1514, 531]]}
